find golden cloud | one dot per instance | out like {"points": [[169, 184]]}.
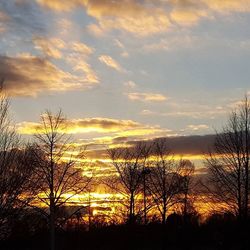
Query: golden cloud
{"points": [[27, 75], [228, 5], [81, 65], [143, 18], [187, 17], [110, 62], [146, 97], [51, 47], [81, 48], [76, 54], [59, 5], [116, 133], [127, 15], [86, 125]]}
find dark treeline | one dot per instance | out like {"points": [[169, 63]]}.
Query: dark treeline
{"points": [[218, 232], [160, 194]]}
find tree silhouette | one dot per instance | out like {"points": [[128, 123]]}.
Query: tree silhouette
{"points": [[14, 174], [164, 180], [187, 169], [58, 170], [129, 164], [228, 164]]}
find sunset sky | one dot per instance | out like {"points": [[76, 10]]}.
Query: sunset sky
{"points": [[125, 70]]}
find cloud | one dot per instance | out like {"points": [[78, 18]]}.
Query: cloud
{"points": [[81, 48], [115, 131], [197, 127], [127, 15], [130, 84], [228, 6], [54, 47], [186, 147], [147, 112], [189, 145], [110, 62], [200, 113], [143, 18], [95, 30], [64, 26], [121, 46], [59, 5], [187, 17], [86, 125], [50, 47], [176, 43], [24, 17], [27, 75], [4, 18], [81, 65], [75, 53], [146, 97]]}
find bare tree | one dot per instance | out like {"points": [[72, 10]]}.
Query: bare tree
{"points": [[164, 182], [187, 169], [58, 173], [147, 201], [14, 174], [228, 164], [129, 164]]}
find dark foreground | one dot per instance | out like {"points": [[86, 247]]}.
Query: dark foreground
{"points": [[212, 235]]}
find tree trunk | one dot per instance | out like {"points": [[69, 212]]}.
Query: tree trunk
{"points": [[131, 208], [164, 212], [247, 145], [185, 207], [144, 199], [52, 223], [246, 192], [239, 197]]}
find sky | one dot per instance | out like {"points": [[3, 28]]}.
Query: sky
{"points": [[127, 70]]}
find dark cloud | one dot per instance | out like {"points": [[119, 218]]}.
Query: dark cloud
{"points": [[194, 145], [27, 75], [186, 145]]}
